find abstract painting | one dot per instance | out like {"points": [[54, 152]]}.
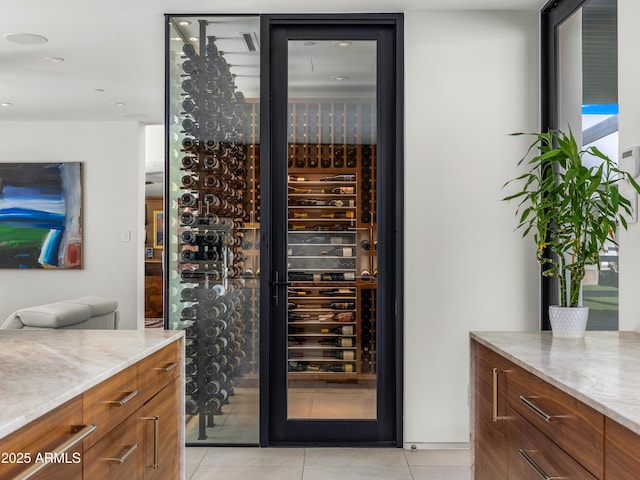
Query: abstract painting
{"points": [[40, 215]]}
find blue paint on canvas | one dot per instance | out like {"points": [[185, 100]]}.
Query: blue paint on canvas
{"points": [[40, 222]]}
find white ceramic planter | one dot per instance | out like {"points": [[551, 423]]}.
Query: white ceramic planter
{"points": [[568, 322]]}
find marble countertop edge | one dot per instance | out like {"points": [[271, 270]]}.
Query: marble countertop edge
{"points": [[609, 405], [34, 410]]}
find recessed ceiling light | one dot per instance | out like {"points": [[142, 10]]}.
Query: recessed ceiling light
{"points": [[6, 104], [26, 38], [184, 23], [176, 39], [342, 43], [340, 77], [193, 39], [118, 104], [308, 44], [133, 116], [54, 59]]}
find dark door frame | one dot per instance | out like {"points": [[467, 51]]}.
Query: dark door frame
{"points": [[271, 171], [552, 15]]}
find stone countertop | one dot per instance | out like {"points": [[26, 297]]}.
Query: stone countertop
{"points": [[602, 370], [42, 369]]}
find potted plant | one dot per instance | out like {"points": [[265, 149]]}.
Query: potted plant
{"points": [[571, 209]]}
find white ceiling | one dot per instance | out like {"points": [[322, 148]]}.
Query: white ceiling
{"points": [[118, 46]]}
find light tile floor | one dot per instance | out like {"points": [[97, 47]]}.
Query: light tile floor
{"points": [[242, 463]]}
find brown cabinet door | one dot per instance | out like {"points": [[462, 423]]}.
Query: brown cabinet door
{"points": [[533, 456], [490, 415], [622, 452], [160, 419], [29, 446], [118, 455]]}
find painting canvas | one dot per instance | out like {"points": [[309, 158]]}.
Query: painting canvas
{"points": [[40, 215]]}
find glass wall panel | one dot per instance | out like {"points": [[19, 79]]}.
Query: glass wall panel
{"points": [[212, 245], [587, 104]]}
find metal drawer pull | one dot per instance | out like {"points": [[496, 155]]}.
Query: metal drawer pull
{"points": [[168, 368], [496, 417], [156, 440], [535, 466], [124, 457], [36, 468], [541, 413], [126, 399]]}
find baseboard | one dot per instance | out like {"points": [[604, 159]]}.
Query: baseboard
{"points": [[436, 446]]}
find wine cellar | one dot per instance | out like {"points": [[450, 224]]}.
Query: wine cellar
{"points": [[214, 237]]}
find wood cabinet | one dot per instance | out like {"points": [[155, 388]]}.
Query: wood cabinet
{"points": [[524, 427], [126, 427], [23, 450], [490, 429], [622, 447]]}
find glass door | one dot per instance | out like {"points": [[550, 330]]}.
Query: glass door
{"points": [[333, 333], [331, 230]]}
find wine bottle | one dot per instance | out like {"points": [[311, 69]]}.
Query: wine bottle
{"points": [[190, 387], [294, 330], [211, 200], [190, 367], [342, 203], [187, 218], [344, 367], [189, 50], [316, 239], [299, 293], [300, 277], [343, 317], [188, 181], [339, 354], [339, 178], [210, 162], [337, 292], [297, 367], [340, 305], [339, 252], [292, 306], [291, 189], [190, 407], [189, 295], [189, 163], [300, 215], [344, 330], [339, 215], [212, 368], [296, 178], [337, 342], [188, 200], [211, 388], [213, 406], [293, 317], [188, 237], [210, 237], [212, 350], [365, 245], [365, 274], [337, 277], [341, 190], [188, 255]]}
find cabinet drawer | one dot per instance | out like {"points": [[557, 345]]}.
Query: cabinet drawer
{"points": [[118, 455], [533, 456], [622, 452], [158, 370], [574, 426], [26, 447], [110, 402]]}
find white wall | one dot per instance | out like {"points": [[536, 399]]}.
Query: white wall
{"points": [[629, 134], [471, 79], [112, 156]]}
